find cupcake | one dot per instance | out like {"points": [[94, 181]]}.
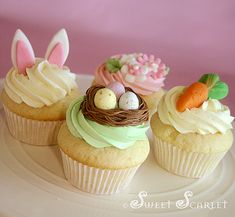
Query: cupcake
{"points": [[38, 91], [103, 141], [192, 128], [142, 73]]}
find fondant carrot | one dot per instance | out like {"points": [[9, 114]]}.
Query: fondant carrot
{"points": [[192, 97]]}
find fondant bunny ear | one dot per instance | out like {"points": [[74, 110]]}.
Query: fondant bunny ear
{"points": [[58, 49], [22, 54]]}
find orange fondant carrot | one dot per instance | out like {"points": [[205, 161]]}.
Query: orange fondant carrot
{"points": [[192, 97]]}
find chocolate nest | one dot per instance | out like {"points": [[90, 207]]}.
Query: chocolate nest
{"points": [[113, 117]]}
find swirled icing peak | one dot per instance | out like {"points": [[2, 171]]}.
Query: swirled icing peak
{"points": [[143, 73], [39, 82], [99, 135], [43, 85], [210, 118]]}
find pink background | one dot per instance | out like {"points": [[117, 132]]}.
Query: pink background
{"points": [[191, 37]]}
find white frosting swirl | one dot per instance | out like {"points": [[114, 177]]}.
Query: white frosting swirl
{"points": [[211, 117], [44, 84]]}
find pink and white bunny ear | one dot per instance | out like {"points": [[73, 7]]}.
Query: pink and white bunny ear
{"points": [[22, 54], [58, 49]]}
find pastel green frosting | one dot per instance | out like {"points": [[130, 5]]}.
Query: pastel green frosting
{"points": [[100, 136]]}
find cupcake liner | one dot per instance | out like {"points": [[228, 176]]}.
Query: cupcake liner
{"points": [[183, 163], [32, 131], [94, 180]]}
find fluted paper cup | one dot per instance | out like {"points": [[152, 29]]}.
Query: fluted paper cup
{"points": [[95, 180], [32, 131], [183, 163]]}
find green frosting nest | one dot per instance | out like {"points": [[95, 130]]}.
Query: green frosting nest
{"points": [[100, 136]]}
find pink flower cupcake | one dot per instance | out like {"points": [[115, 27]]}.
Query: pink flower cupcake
{"points": [[142, 73]]}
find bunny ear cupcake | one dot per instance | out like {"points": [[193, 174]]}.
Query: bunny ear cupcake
{"points": [[37, 91], [144, 74], [192, 128], [103, 141]]}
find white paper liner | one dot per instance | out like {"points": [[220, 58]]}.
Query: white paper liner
{"points": [[183, 163], [32, 131], [94, 180]]}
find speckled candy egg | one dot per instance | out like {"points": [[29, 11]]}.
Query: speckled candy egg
{"points": [[129, 101], [117, 88], [105, 99]]}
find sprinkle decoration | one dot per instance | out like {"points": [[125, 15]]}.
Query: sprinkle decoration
{"points": [[137, 67]]}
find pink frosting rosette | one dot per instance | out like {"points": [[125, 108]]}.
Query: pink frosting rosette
{"points": [[142, 73]]}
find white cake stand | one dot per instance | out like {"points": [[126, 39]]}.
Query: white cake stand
{"points": [[32, 184]]}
